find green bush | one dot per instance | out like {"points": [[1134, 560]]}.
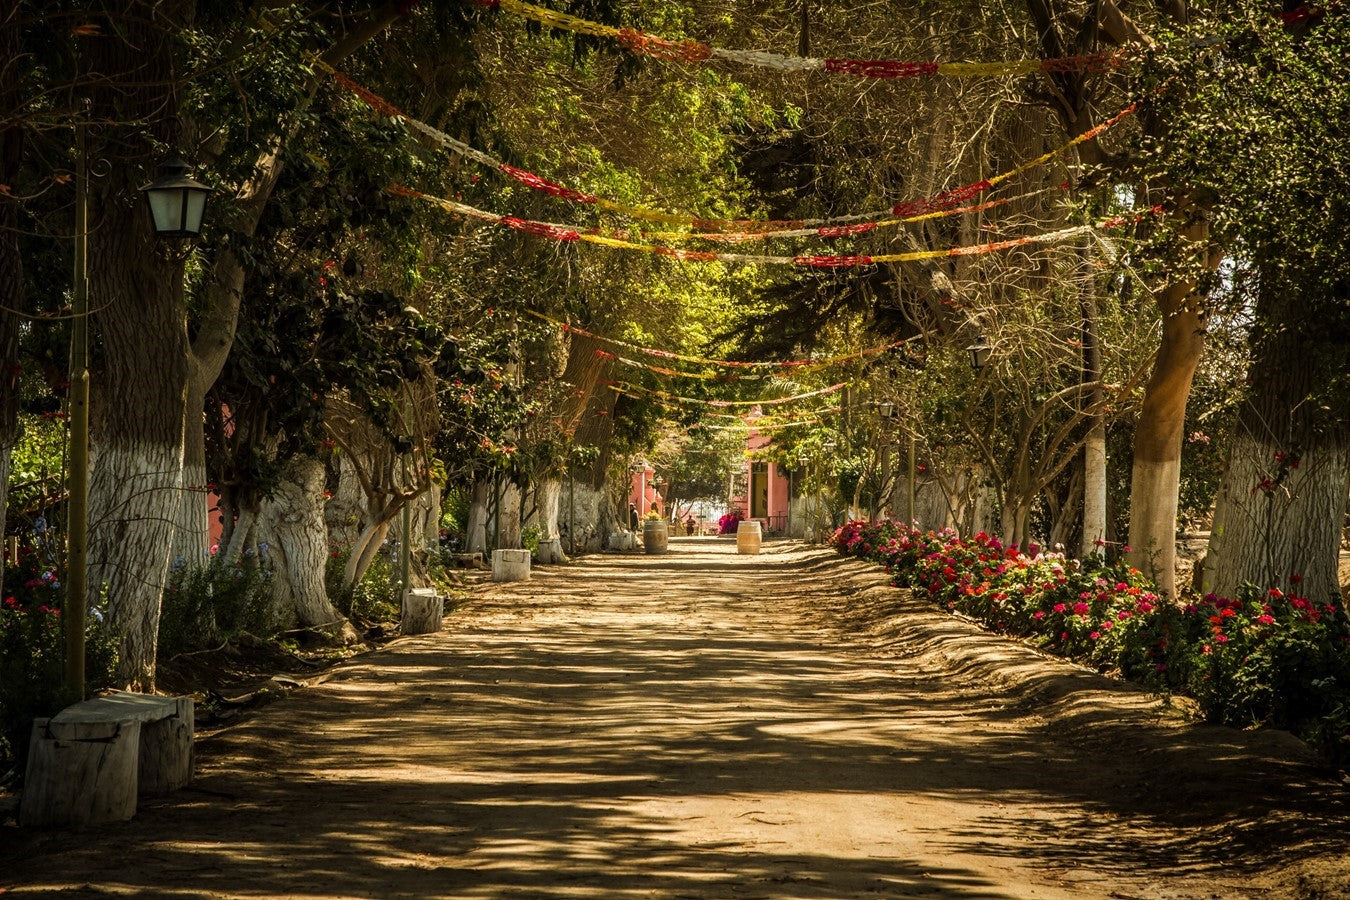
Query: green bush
{"points": [[375, 598], [205, 605], [529, 537]]}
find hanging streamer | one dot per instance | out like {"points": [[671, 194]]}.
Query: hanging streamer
{"points": [[944, 203], [564, 233], [727, 363], [626, 388], [695, 51]]}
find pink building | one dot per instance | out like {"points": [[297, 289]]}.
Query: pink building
{"points": [[643, 493], [767, 490]]}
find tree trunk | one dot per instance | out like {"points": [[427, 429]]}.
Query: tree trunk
{"points": [[1094, 489], [549, 493], [293, 519], [1282, 501], [509, 516], [1156, 471], [138, 289], [1066, 513], [475, 528], [1156, 478], [1094, 449], [192, 526]]}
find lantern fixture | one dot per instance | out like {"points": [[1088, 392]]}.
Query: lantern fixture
{"points": [[980, 351], [887, 410], [177, 202]]}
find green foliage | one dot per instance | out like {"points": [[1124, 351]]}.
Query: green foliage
{"points": [[375, 598], [529, 538], [206, 604]]}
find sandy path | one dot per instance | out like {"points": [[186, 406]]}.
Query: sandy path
{"points": [[707, 725]]}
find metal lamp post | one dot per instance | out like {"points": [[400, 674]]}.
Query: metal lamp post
{"points": [[980, 351], [177, 206]]}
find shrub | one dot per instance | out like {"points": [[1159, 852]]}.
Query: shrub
{"points": [[33, 657], [206, 604], [375, 598], [1259, 659]]}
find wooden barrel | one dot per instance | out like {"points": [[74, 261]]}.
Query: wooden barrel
{"points": [[747, 537], [655, 536]]}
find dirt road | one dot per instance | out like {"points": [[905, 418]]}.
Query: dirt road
{"points": [[705, 725]]}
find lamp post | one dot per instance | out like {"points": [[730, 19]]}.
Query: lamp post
{"points": [[177, 202], [177, 206], [980, 351]]}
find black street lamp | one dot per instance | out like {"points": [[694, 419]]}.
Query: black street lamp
{"points": [[980, 351], [177, 202]]}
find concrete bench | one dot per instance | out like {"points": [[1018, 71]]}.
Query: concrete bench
{"points": [[88, 763]]}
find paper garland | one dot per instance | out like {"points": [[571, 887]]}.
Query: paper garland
{"points": [[568, 234], [787, 364], [944, 202], [624, 387], [644, 44]]}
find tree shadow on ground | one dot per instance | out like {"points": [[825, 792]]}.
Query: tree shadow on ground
{"points": [[608, 753]]}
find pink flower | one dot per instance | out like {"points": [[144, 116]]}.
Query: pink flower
{"points": [[1094, 635], [1221, 638], [1080, 609], [1060, 607], [1266, 620], [1123, 615], [1038, 615]]}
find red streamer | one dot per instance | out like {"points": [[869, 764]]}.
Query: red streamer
{"points": [[833, 231], [542, 229], [944, 200], [660, 48], [833, 262], [548, 187], [373, 100]]}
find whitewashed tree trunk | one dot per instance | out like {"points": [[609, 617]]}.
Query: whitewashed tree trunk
{"points": [[549, 492], [133, 496], [367, 544], [1154, 524], [299, 547], [192, 528], [242, 536], [1094, 489], [1263, 536], [509, 516], [475, 529]]}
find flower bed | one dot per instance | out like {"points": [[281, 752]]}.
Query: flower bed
{"points": [[32, 652], [1262, 658]]}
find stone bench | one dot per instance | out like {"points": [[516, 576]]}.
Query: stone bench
{"points": [[88, 763]]}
